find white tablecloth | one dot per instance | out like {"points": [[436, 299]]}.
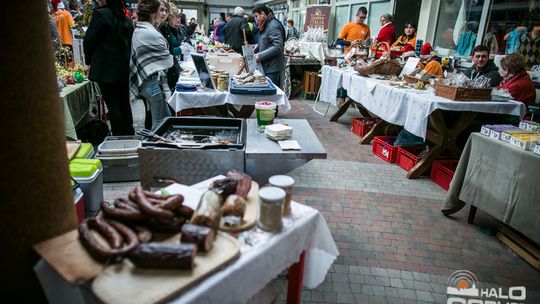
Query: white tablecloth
{"points": [[251, 272], [406, 107], [258, 265], [210, 98], [317, 50]]}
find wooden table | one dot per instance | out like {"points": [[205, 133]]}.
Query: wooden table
{"points": [[416, 110]]}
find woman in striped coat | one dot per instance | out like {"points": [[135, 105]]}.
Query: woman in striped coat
{"points": [[150, 60]]}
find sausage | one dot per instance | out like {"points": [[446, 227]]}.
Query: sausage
{"points": [[243, 182], [167, 225], [171, 202], [185, 211], [143, 234], [167, 256], [224, 187], [147, 207], [233, 210], [130, 238], [122, 211], [106, 231], [208, 213], [97, 249], [201, 236]]}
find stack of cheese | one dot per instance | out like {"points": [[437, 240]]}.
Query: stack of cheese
{"points": [[278, 131]]}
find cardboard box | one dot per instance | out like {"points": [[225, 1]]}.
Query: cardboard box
{"points": [[525, 142], [507, 135]]}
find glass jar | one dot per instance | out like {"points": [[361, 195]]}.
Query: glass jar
{"points": [[265, 112], [271, 208], [286, 183], [223, 84]]}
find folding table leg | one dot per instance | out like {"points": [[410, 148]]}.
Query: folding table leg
{"points": [[317, 100], [296, 277]]}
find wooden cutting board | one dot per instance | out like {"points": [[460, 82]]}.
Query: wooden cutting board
{"points": [[250, 217], [125, 283], [69, 258]]}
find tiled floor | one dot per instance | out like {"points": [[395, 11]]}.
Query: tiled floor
{"points": [[395, 245]]}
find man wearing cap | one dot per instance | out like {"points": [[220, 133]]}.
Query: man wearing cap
{"points": [[237, 28], [483, 66]]}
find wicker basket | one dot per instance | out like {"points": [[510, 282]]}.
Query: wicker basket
{"points": [[462, 94], [381, 67], [414, 80]]}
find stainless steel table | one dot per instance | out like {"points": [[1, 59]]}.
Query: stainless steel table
{"points": [[265, 158]]}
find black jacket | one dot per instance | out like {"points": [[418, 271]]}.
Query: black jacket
{"points": [[107, 46], [233, 33], [490, 71]]}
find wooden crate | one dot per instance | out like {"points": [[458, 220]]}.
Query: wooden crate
{"points": [[521, 246]]}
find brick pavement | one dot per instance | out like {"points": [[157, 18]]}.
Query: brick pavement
{"points": [[395, 245]]}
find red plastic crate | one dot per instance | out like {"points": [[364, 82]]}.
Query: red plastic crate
{"points": [[362, 125], [442, 172], [385, 150], [407, 157]]}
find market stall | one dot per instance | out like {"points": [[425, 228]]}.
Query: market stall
{"points": [[77, 100], [499, 179], [207, 98], [412, 109], [304, 242]]}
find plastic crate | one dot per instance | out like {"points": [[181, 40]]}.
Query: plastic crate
{"points": [[442, 172], [407, 157], [362, 125], [384, 149]]}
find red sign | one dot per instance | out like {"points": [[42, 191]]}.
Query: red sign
{"points": [[317, 16]]}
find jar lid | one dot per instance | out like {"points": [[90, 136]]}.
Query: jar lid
{"points": [[272, 194], [283, 181], [265, 105]]}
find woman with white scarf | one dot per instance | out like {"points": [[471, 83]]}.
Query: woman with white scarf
{"points": [[150, 60]]}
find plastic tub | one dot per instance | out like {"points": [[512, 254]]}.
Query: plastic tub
{"points": [[90, 178], [228, 62], [383, 147], [362, 125], [442, 172], [407, 157], [123, 146]]}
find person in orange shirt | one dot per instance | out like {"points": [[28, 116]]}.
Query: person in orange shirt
{"points": [[408, 37], [355, 31], [64, 22]]}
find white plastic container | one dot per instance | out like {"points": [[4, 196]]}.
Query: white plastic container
{"points": [[125, 146]]}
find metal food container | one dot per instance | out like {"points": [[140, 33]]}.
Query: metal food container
{"points": [[199, 148]]}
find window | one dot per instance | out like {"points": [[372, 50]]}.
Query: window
{"points": [[340, 20], [376, 10], [508, 22], [457, 26]]}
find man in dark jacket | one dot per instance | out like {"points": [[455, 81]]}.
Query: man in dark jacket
{"points": [[107, 49], [270, 48], [234, 32], [483, 66]]}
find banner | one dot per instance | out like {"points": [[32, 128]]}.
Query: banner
{"points": [[317, 16]]}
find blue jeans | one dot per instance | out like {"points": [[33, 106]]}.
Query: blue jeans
{"points": [[152, 91]]}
